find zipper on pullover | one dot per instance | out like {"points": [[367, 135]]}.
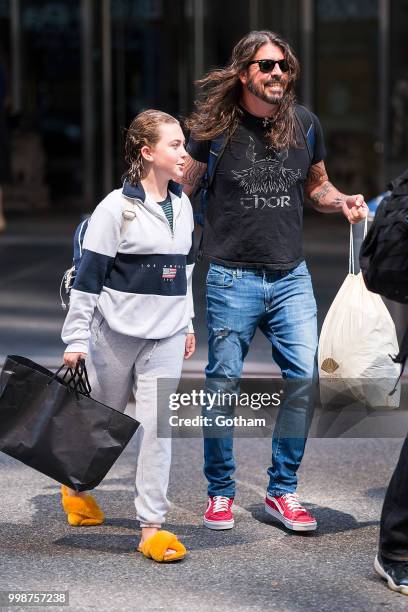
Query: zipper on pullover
{"points": [[161, 215]]}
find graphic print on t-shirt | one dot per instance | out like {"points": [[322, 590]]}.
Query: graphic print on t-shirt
{"points": [[254, 206], [265, 176]]}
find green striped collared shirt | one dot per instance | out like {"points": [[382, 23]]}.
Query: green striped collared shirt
{"points": [[167, 207]]}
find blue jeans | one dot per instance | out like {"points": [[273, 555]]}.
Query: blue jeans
{"points": [[282, 305]]}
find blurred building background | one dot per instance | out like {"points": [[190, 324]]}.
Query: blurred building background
{"points": [[74, 73]]}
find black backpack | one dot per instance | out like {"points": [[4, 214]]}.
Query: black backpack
{"points": [[384, 252]]}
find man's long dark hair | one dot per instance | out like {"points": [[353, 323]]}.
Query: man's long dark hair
{"points": [[217, 109]]}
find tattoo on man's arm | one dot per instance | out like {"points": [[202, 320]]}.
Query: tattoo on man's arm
{"points": [[340, 200], [317, 175], [335, 203], [193, 171], [317, 197]]}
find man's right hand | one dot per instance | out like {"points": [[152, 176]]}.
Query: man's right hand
{"points": [[71, 359]]}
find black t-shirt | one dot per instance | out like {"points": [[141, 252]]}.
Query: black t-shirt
{"points": [[255, 202]]}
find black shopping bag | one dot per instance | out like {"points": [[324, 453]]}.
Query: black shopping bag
{"points": [[51, 424]]}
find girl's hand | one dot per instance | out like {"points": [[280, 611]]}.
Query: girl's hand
{"points": [[190, 346], [71, 359]]}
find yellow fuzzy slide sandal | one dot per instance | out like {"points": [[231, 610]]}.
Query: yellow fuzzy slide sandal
{"points": [[81, 511], [155, 547]]}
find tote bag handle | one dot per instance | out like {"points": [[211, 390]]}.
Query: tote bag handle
{"points": [[351, 247]]}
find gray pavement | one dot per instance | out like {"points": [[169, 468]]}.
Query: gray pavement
{"points": [[257, 565]]}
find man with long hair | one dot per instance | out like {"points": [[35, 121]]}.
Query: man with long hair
{"points": [[270, 155]]}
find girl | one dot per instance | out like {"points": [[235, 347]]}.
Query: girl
{"points": [[131, 309]]}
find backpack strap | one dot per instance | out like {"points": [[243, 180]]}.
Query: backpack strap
{"points": [[305, 121], [128, 214], [217, 148]]}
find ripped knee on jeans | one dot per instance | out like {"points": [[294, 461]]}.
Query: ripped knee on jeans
{"points": [[221, 332], [225, 353]]}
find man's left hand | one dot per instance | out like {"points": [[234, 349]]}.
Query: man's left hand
{"points": [[355, 209]]}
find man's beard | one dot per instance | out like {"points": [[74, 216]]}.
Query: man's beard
{"points": [[259, 91]]}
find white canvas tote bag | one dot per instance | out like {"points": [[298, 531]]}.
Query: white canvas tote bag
{"points": [[356, 346]]}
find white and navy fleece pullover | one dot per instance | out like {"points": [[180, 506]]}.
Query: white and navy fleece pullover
{"points": [[140, 280]]}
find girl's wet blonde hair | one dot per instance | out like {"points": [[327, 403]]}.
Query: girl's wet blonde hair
{"points": [[143, 131]]}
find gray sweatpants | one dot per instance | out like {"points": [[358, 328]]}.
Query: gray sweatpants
{"points": [[118, 364]]}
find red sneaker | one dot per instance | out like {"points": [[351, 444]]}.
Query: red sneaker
{"points": [[218, 514], [288, 510]]}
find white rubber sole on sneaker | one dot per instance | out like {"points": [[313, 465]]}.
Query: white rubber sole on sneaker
{"points": [[391, 584], [218, 525], [293, 525]]}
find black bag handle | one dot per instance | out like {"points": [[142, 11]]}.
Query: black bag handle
{"points": [[81, 383], [77, 381], [62, 378]]}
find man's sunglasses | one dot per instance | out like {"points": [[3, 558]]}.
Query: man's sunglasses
{"points": [[267, 65]]}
